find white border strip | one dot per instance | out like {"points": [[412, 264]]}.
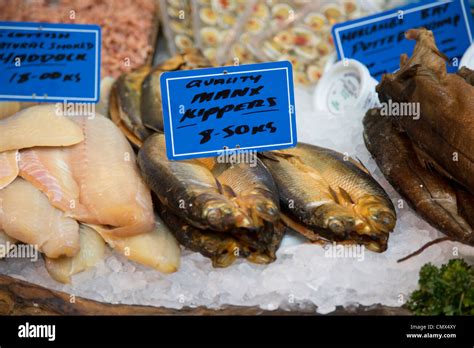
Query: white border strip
{"points": [[53, 98], [226, 74]]}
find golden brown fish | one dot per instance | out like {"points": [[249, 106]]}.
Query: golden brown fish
{"points": [[125, 109], [188, 189], [221, 210], [151, 91], [224, 248], [332, 196], [250, 185]]}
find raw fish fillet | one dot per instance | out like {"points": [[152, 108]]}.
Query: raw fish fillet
{"points": [[49, 170], [92, 251], [28, 216], [110, 184], [38, 126], [9, 108], [8, 167], [158, 248]]}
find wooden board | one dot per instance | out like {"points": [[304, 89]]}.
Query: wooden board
{"points": [[18, 297]]}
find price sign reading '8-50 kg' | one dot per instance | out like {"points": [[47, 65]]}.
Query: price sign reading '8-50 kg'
{"points": [[209, 111]]}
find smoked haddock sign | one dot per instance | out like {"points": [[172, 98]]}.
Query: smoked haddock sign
{"points": [[44, 62], [247, 107]]}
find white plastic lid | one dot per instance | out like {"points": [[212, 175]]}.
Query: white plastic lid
{"points": [[332, 59], [467, 59], [345, 86]]}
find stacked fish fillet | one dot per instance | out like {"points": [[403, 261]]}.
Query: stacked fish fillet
{"points": [[68, 185]]}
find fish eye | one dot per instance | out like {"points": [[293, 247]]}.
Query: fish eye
{"points": [[336, 225], [213, 214], [383, 218]]}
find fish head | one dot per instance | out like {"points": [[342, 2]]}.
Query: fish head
{"points": [[260, 206], [222, 214], [338, 220], [375, 242], [378, 215], [267, 210], [378, 244]]}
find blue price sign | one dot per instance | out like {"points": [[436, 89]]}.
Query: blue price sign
{"points": [[378, 40], [247, 107], [49, 62]]}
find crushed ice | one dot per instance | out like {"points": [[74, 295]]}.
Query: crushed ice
{"points": [[304, 275]]}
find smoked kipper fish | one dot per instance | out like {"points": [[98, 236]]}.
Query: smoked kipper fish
{"points": [[188, 189], [222, 210], [125, 100], [325, 195], [224, 248], [151, 88]]}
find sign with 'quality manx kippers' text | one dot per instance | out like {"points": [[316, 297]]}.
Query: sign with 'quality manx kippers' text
{"points": [[46, 62], [210, 111]]}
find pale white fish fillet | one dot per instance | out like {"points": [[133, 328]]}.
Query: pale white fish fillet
{"points": [[8, 167], [27, 215], [92, 251], [110, 185], [9, 108], [38, 126], [6, 243], [49, 170], [157, 249]]}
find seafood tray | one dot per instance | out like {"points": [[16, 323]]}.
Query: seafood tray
{"points": [[305, 278], [302, 278], [313, 229]]}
